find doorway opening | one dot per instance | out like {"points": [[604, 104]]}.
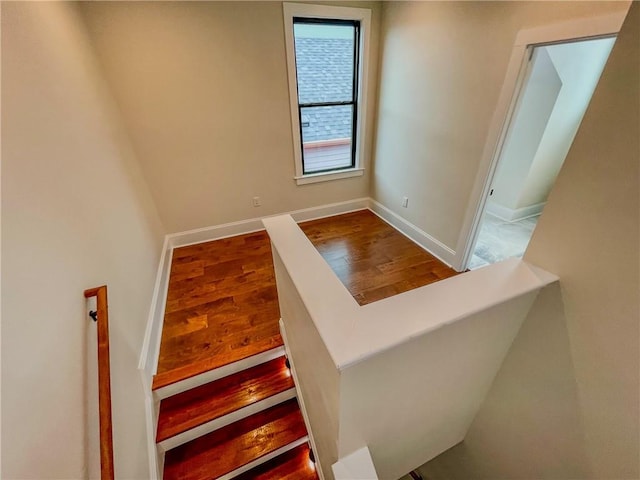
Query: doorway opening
{"points": [[557, 88]]}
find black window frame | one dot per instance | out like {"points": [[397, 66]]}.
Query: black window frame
{"points": [[354, 90]]}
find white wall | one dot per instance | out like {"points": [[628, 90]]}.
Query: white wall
{"points": [[545, 122], [579, 66], [76, 213], [442, 66], [565, 403], [317, 376], [412, 401], [413, 369], [203, 90], [528, 126]]}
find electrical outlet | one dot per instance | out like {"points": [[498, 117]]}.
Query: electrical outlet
{"points": [[405, 202], [256, 201]]}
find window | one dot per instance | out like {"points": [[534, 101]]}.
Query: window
{"points": [[326, 57], [327, 77]]}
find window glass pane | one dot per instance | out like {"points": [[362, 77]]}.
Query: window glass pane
{"points": [[327, 133], [324, 62]]}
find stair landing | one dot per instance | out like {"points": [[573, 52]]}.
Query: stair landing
{"points": [[222, 306], [372, 259], [222, 301]]}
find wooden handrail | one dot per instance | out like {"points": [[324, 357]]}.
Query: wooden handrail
{"points": [[104, 381]]}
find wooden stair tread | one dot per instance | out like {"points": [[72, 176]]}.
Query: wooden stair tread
{"points": [[207, 363], [237, 444], [200, 405], [291, 465]]}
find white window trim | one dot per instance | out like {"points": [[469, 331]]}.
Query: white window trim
{"points": [[291, 10]]}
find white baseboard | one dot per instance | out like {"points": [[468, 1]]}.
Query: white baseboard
{"points": [[329, 210], [151, 421], [218, 232], [513, 215], [153, 332], [422, 238]]}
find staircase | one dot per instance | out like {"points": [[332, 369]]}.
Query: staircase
{"points": [[246, 425], [227, 402]]}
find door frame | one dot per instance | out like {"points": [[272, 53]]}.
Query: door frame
{"points": [[517, 71]]}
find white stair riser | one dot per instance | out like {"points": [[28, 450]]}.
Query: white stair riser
{"points": [[225, 420], [218, 373]]}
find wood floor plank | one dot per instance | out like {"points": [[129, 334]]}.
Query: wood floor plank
{"points": [[190, 324], [371, 258], [197, 406], [235, 445]]}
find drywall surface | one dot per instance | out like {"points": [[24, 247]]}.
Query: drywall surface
{"points": [[527, 129], [565, 403], [317, 376], [529, 425], [355, 466], [75, 214], [417, 399], [203, 90], [579, 66], [442, 66], [546, 120], [413, 368]]}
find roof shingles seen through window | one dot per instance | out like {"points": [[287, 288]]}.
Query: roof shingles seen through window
{"points": [[324, 68]]}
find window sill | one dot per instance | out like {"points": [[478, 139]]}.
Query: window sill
{"points": [[327, 176]]}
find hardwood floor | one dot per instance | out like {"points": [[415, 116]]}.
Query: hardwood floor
{"points": [[222, 302], [372, 259], [222, 306]]}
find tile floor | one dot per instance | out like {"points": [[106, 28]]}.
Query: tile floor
{"points": [[499, 240]]}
